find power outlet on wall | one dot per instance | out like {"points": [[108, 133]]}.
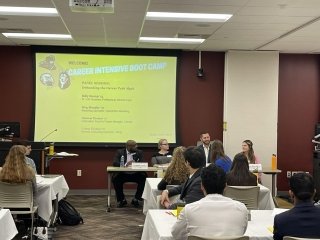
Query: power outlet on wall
{"points": [[79, 173]]}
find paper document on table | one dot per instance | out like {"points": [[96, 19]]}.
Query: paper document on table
{"points": [[66, 154], [278, 210], [166, 165], [51, 175], [39, 179], [174, 212]]}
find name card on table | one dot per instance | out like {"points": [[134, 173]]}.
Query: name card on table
{"points": [[139, 165], [255, 167]]}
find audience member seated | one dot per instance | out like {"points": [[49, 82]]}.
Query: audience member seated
{"points": [[218, 157], [29, 161], [177, 172], [247, 149], [16, 170], [163, 156], [205, 147], [304, 218], [239, 174], [130, 154], [214, 215], [190, 191]]}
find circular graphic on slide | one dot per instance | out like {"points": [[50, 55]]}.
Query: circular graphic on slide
{"points": [[46, 79], [64, 80], [48, 63]]}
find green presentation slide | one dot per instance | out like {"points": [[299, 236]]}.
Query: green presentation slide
{"points": [[105, 98]]}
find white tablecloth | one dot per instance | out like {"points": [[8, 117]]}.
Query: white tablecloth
{"points": [[158, 223], [7, 226], [48, 188], [151, 191]]}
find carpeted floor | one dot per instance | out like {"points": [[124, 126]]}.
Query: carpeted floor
{"points": [[120, 223]]}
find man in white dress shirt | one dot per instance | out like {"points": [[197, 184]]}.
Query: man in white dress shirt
{"points": [[214, 215]]}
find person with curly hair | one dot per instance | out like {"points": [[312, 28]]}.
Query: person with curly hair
{"points": [[177, 172]]}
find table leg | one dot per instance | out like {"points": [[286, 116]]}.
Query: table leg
{"points": [[109, 192], [273, 179], [53, 218]]}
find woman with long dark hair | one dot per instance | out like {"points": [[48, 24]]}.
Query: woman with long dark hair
{"points": [[239, 174], [218, 156]]}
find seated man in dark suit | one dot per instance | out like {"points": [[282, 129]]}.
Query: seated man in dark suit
{"points": [[303, 220], [130, 154], [190, 191]]}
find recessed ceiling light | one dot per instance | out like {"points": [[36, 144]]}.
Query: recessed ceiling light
{"points": [[187, 17], [171, 40], [28, 11], [38, 36]]}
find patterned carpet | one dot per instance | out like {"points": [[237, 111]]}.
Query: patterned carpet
{"points": [[120, 223]]}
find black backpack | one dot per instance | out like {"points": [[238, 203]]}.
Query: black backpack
{"points": [[67, 214]]}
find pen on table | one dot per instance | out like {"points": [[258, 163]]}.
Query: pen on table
{"points": [[170, 213]]}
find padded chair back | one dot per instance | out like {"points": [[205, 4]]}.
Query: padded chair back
{"points": [[296, 238], [219, 238], [168, 187], [248, 195], [16, 195], [160, 160]]}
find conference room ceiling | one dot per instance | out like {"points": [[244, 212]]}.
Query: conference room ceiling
{"points": [[290, 26]]}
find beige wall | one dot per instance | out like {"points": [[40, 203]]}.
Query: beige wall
{"points": [[251, 103]]}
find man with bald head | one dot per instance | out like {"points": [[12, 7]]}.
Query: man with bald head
{"points": [[130, 154]]}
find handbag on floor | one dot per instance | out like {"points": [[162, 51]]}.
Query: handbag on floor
{"points": [[67, 214]]}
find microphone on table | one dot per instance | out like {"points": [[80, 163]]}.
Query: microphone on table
{"points": [[48, 134]]}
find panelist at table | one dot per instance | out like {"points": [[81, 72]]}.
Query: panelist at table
{"points": [[163, 156], [126, 156]]}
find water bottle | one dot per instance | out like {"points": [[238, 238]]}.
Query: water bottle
{"points": [[122, 161], [51, 149], [274, 162]]}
